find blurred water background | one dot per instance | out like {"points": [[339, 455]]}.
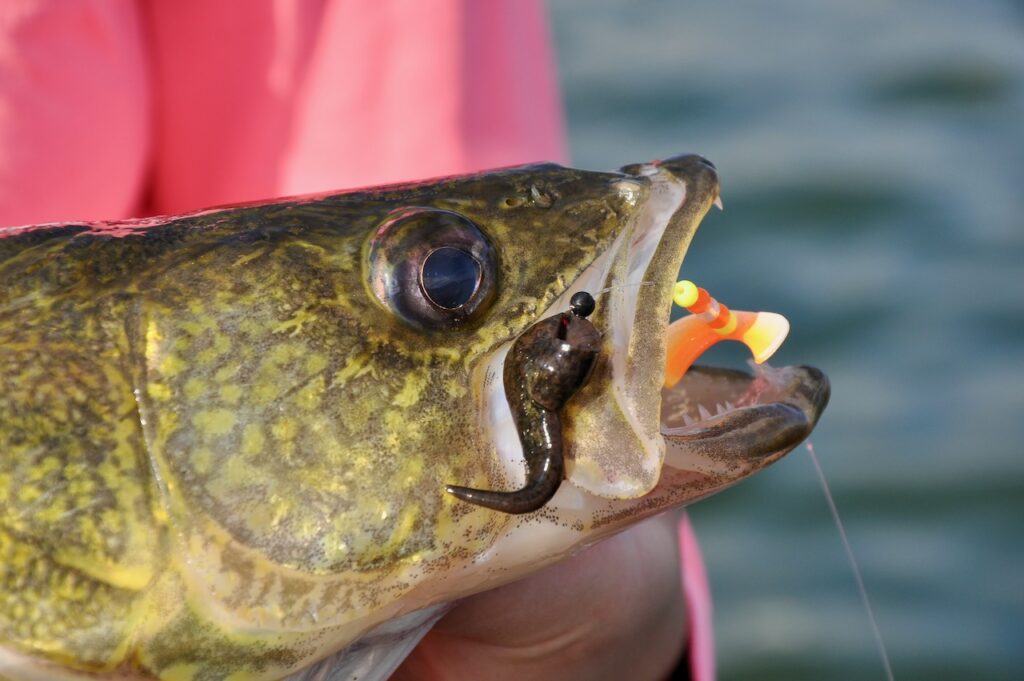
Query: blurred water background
{"points": [[872, 163]]}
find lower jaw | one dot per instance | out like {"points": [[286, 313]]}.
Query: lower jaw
{"points": [[729, 424]]}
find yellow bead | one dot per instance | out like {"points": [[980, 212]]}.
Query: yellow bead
{"points": [[730, 325], [684, 293]]}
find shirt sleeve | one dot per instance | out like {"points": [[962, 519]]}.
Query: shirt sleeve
{"points": [[697, 591], [276, 99], [74, 111]]}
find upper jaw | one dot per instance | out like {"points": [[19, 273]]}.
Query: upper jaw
{"points": [[683, 190]]}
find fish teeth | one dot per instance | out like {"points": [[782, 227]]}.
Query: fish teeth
{"points": [[719, 409], [718, 203], [703, 411], [688, 420]]}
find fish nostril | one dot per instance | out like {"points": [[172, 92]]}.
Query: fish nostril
{"points": [[633, 168]]}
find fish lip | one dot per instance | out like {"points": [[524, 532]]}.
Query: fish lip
{"points": [[775, 410], [682, 190]]}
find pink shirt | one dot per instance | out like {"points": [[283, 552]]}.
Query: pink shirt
{"points": [[118, 109]]}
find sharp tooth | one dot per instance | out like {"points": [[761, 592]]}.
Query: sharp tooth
{"points": [[703, 411], [719, 408], [718, 203], [687, 420], [729, 405]]}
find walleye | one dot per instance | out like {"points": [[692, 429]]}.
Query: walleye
{"points": [[226, 437]]}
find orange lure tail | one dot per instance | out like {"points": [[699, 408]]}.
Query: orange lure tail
{"points": [[711, 322]]}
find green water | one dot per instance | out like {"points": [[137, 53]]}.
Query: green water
{"points": [[872, 163]]}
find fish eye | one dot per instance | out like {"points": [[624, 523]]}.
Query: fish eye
{"points": [[449, 277], [432, 268]]}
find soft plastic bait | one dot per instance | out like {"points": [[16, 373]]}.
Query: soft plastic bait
{"points": [[545, 367], [711, 322]]}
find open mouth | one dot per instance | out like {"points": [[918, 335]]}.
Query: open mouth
{"points": [[721, 423], [725, 423], [623, 427]]}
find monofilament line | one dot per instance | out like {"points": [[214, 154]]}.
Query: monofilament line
{"points": [[853, 562], [618, 286]]}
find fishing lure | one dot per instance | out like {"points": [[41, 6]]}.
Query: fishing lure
{"points": [[544, 368], [710, 322]]}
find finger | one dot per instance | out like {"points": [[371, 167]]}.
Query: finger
{"points": [[615, 610]]}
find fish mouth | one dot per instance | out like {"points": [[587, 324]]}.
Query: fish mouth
{"points": [[728, 424], [722, 423], [624, 427]]}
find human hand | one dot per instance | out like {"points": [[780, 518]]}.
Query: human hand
{"points": [[613, 611]]}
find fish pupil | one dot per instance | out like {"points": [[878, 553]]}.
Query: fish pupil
{"points": [[450, 277]]}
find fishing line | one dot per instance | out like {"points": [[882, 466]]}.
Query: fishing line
{"points": [[853, 562], [618, 286]]}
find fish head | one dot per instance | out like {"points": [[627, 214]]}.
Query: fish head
{"points": [[635, 448], [543, 234], [367, 354]]}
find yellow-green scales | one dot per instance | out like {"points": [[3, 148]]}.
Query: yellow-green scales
{"points": [[214, 436]]}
